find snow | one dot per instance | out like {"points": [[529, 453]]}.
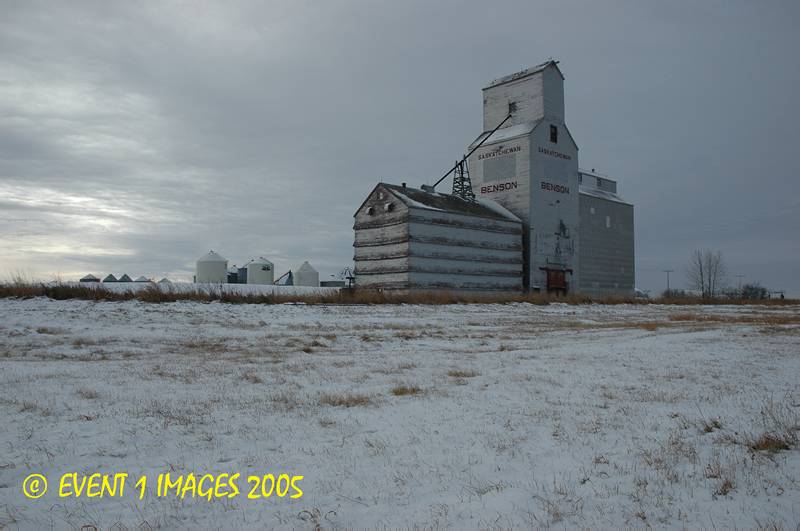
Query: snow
{"points": [[497, 207], [602, 194], [565, 416], [507, 133]]}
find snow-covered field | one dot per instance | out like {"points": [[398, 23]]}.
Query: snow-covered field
{"points": [[405, 417]]}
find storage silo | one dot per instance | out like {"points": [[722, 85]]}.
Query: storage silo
{"points": [[260, 271], [212, 269], [305, 275]]}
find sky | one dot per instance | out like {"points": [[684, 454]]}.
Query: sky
{"points": [[135, 136]]}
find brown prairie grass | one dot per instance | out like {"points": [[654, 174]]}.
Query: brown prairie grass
{"points": [[405, 390], [87, 394], [252, 377], [769, 442], [725, 487], [345, 399], [762, 319], [156, 294], [455, 373]]}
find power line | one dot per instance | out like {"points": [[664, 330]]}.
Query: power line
{"points": [[667, 271]]}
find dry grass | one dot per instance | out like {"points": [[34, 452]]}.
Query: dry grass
{"points": [[762, 319], [405, 390], [345, 400], [252, 377], [462, 373], [770, 442], [88, 394], [156, 294]]}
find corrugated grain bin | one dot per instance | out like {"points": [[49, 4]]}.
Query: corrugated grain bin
{"points": [[260, 271], [212, 269], [305, 275]]}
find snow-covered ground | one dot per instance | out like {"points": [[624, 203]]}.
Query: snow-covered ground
{"points": [[514, 416]]}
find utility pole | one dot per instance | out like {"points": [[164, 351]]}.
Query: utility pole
{"points": [[667, 271]]}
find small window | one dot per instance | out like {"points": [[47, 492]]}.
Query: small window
{"points": [[554, 134], [388, 207], [599, 183], [370, 211], [591, 210], [608, 222], [381, 195]]}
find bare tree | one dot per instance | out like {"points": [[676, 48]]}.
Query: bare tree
{"points": [[707, 272]]}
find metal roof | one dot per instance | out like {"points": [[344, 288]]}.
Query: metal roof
{"points": [[524, 73], [602, 194], [416, 198]]}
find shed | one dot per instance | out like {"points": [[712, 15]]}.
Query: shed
{"points": [[125, 278], [90, 278], [110, 278]]}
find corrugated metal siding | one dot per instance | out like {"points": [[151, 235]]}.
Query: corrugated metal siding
{"points": [[607, 247], [419, 248]]}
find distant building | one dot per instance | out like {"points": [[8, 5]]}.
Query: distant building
{"points": [[90, 278], [212, 268], [142, 279], [305, 275], [110, 278], [125, 278], [260, 271]]}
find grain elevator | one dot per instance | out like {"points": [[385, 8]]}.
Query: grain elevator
{"points": [[575, 234]]}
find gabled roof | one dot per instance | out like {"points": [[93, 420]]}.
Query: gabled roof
{"points": [[125, 278], [142, 279], [525, 73], [305, 267], [507, 133], [415, 198], [110, 278], [514, 131], [89, 277]]}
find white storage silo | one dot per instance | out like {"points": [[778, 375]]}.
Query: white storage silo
{"points": [[212, 269], [260, 271], [305, 275]]}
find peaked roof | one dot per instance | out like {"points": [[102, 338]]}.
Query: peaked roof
{"points": [[125, 278], [212, 256], [165, 280], [415, 198], [507, 133], [305, 267], [142, 279], [90, 277], [110, 278], [525, 73]]}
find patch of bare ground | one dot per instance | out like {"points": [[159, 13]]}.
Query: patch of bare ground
{"points": [[457, 373], [405, 390], [345, 399]]}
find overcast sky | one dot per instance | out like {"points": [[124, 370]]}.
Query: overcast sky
{"points": [[135, 136]]}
